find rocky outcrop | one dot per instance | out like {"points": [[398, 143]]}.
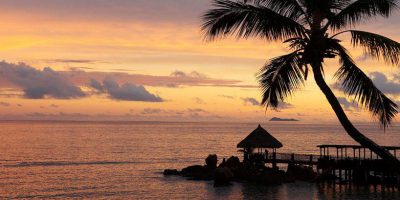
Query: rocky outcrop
{"points": [[301, 173], [211, 161], [223, 176], [234, 170], [169, 172], [198, 172]]}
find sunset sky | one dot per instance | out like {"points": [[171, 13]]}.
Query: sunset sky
{"points": [[148, 60]]}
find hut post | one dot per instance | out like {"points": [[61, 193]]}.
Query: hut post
{"points": [[327, 153], [364, 153], [245, 155], [337, 153], [320, 152], [274, 158]]}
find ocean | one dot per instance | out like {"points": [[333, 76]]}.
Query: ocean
{"points": [[125, 160]]}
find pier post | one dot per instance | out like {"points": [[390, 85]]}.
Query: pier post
{"points": [[366, 176]]}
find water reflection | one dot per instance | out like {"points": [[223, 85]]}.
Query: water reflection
{"points": [[347, 191]]}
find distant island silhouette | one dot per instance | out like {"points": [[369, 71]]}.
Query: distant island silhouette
{"points": [[277, 119]]}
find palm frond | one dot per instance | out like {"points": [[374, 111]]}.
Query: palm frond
{"points": [[377, 46], [280, 78], [355, 82], [361, 10], [248, 20], [288, 8], [325, 7]]}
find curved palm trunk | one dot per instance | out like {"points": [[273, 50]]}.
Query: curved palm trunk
{"points": [[348, 126]]}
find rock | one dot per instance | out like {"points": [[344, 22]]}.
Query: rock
{"points": [[198, 172], [302, 173], [223, 176], [233, 162], [268, 177], [211, 161], [169, 172]]}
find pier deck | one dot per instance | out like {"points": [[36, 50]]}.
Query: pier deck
{"points": [[348, 163]]}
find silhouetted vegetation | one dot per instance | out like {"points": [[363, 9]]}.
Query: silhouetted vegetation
{"points": [[311, 28]]}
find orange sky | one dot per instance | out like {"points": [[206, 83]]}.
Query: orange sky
{"points": [[158, 45]]}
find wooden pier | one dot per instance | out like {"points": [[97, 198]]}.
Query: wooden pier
{"points": [[343, 163], [347, 163]]}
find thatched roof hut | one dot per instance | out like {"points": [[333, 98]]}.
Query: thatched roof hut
{"points": [[260, 138]]}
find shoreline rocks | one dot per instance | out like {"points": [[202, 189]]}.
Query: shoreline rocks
{"points": [[233, 170]]}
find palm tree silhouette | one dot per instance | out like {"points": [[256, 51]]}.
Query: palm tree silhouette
{"points": [[310, 28]]}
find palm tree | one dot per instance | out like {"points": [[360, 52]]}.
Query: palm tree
{"points": [[310, 28]]}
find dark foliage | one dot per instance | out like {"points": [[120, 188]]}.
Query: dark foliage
{"points": [[304, 25]]}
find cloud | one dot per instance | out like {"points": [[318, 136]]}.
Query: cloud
{"points": [[79, 68], [175, 79], [163, 115], [199, 100], [197, 110], [155, 11], [73, 61], [39, 84], [384, 84], [48, 83], [96, 85], [381, 81], [191, 113], [363, 57], [151, 111], [126, 91], [5, 104], [284, 105], [254, 102], [226, 96], [348, 105], [251, 101], [193, 74]]}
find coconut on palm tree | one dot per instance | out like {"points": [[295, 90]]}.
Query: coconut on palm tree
{"points": [[310, 28]]}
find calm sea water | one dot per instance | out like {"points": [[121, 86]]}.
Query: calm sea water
{"points": [[125, 160]]}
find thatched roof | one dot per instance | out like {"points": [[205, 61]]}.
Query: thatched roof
{"points": [[259, 138]]}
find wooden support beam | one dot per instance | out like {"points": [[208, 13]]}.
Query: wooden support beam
{"points": [[341, 153], [364, 153], [337, 153], [327, 149]]}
